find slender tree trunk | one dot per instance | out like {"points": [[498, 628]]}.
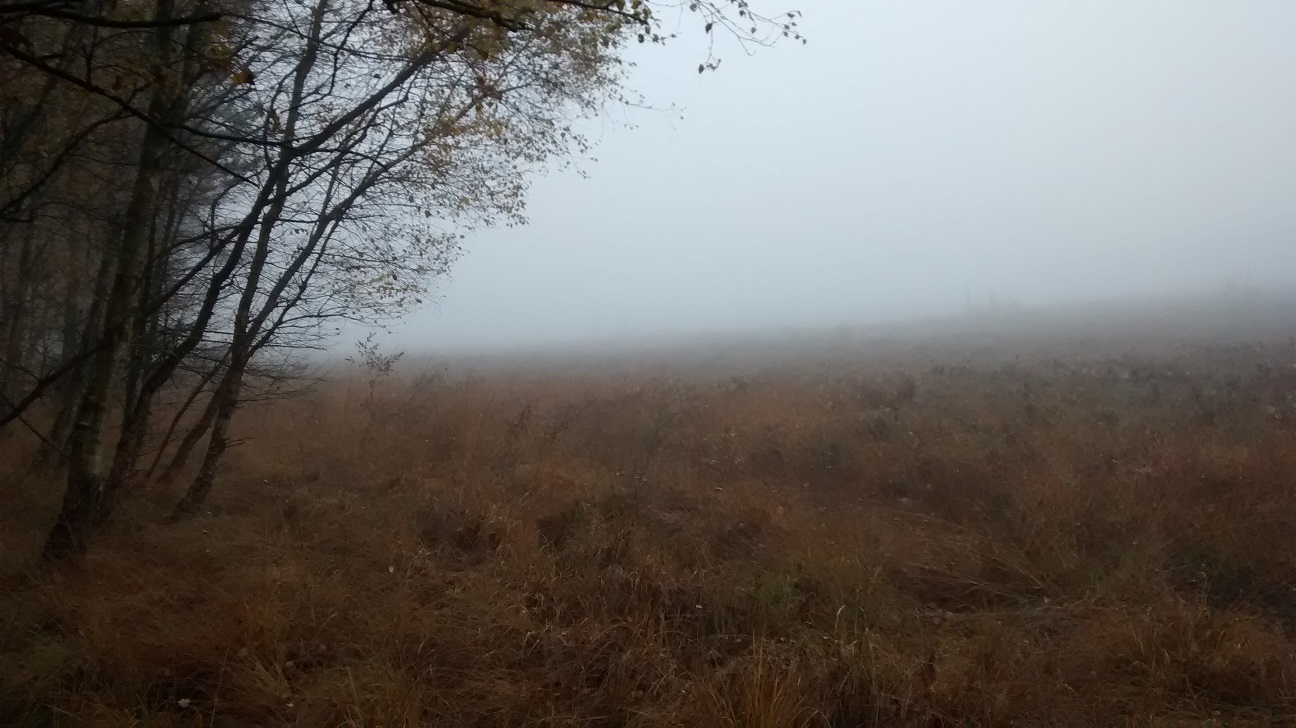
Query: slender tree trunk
{"points": [[87, 464], [226, 401], [54, 451], [78, 331], [191, 439], [144, 381], [69, 393], [241, 348], [15, 315], [137, 405]]}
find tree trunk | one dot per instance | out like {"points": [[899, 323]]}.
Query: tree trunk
{"points": [[188, 443], [195, 433], [79, 329], [15, 316], [87, 464], [143, 382], [226, 401], [137, 405], [241, 348]]}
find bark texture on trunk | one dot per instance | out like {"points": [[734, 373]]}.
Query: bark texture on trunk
{"points": [[87, 464], [87, 461]]}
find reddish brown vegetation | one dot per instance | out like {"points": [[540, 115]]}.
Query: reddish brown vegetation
{"points": [[938, 544]]}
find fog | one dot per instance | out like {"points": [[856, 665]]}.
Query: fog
{"points": [[915, 156]]}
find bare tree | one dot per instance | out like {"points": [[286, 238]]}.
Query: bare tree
{"points": [[289, 165]]}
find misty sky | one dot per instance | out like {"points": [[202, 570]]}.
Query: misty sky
{"points": [[913, 153]]}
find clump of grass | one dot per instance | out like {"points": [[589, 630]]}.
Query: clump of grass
{"points": [[938, 544]]}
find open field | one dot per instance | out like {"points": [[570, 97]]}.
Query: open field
{"points": [[934, 536]]}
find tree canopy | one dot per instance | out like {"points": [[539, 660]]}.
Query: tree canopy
{"points": [[192, 192]]}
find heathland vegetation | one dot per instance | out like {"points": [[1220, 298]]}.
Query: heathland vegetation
{"points": [[931, 534]]}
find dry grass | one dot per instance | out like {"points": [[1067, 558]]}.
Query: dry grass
{"points": [[1108, 541]]}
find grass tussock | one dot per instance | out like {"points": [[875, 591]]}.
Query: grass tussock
{"points": [[938, 545]]}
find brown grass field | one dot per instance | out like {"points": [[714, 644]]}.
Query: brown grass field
{"points": [[927, 538]]}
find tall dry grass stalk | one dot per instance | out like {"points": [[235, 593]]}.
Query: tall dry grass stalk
{"points": [[1103, 541]]}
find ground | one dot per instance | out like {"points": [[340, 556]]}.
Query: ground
{"points": [[936, 536]]}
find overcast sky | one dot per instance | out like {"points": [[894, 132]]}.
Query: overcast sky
{"points": [[913, 154]]}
